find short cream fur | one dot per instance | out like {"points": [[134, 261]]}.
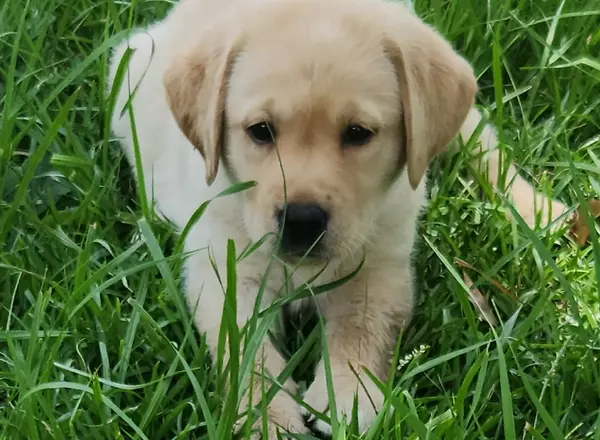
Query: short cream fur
{"points": [[213, 67]]}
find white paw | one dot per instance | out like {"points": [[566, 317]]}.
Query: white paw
{"points": [[346, 386], [283, 416]]}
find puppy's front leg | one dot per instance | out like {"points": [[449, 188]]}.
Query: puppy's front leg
{"points": [[206, 299], [363, 319]]}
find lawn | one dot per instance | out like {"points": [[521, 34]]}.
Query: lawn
{"points": [[95, 340]]}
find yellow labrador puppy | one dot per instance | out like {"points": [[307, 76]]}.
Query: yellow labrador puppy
{"points": [[351, 99]]}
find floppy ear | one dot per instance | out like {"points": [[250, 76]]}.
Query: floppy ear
{"points": [[437, 88], [196, 87]]}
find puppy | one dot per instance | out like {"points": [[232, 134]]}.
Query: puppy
{"points": [[335, 109]]}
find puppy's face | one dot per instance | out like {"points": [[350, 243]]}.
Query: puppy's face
{"points": [[322, 104], [316, 126]]}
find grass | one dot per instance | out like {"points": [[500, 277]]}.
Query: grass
{"points": [[94, 342]]}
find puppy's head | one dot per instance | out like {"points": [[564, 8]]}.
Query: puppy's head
{"points": [[324, 105]]}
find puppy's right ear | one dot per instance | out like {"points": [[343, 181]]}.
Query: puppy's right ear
{"points": [[196, 88]]}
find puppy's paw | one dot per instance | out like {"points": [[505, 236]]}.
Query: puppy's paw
{"points": [[283, 416], [369, 401]]}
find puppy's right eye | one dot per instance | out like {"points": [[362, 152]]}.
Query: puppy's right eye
{"points": [[262, 133]]}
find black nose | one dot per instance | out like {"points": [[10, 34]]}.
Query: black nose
{"points": [[302, 225]]}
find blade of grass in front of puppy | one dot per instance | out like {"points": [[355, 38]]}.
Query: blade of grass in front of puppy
{"points": [[141, 178], [341, 433], [221, 361], [258, 326], [251, 326], [263, 405], [254, 339], [291, 365], [258, 334], [267, 395], [272, 259], [261, 291], [253, 247], [329, 380], [256, 315], [379, 428], [254, 333], [309, 291], [288, 281], [199, 212], [354, 419], [129, 102], [230, 310], [117, 83]]}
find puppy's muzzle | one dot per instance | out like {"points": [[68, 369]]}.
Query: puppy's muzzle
{"points": [[303, 226]]}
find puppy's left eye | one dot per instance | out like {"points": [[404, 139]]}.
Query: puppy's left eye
{"points": [[357, 135]]}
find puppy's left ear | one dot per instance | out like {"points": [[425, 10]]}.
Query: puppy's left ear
{"points": [[437, 88]]}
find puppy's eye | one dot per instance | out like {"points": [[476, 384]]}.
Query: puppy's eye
{"points": [[357, 135], [262, 133]]}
